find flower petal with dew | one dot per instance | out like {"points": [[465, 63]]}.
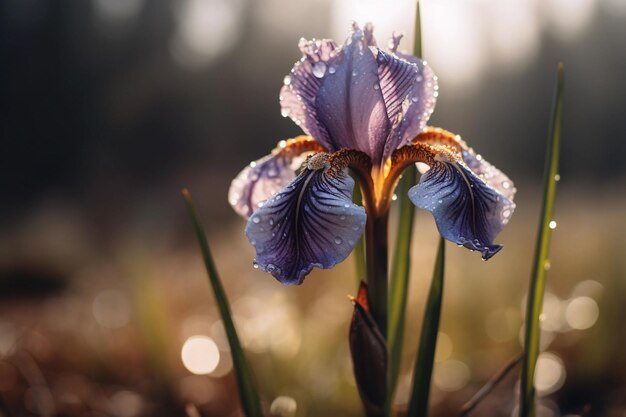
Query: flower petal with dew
{"points": [[312, 222], [358, 96], [266, 176]]}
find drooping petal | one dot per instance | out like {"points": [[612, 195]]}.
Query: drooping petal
{"points": [[487, 172], [266, 176], [467, 210], [350, 103], [312, 222]]}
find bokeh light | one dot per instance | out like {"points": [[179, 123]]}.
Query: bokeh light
{"points": [[582, 312], [200, 355], [549, 374]]}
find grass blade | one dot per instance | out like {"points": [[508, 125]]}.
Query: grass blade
{"points": [[247, 391], [489, 386], [400, 269], [538, 278], [418, 405], [399, 280]]}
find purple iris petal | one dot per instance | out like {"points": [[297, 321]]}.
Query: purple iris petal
{"points": [[359, 97], [311, 223], [467, 211], [410, 90], [349, 102], [297, 97], [490, 174], [260, 180]]}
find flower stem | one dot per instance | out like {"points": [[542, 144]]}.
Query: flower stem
{"points": [[376, 247]]}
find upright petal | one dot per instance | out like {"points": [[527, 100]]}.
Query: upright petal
{"points": [[409, 89], [467, 210], [350, 102], [312, 222], [266, 176], [297, 97]]}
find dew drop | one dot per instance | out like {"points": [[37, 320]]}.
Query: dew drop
{"points": [[319, 69], [394, 197], [557, 178], [506, 185], [440, 201], [415, 99], [547, 265], [346, 205], [285, 112], [419, 79], [287, 79], [256, 220], [354, 73], [331, 70], [552, 225], [255, 265], [338, 240], [252, 164], [376, 86], [271, 222]]}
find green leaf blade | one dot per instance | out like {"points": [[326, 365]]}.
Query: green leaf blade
{"points": [[248, 393], [399, 282], [418, 404], [538, 278]]}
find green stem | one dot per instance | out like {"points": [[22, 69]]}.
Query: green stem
{"points": [[376, 247], [359, 249]]}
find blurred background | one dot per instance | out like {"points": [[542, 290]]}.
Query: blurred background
{"points": [[110, 107]]}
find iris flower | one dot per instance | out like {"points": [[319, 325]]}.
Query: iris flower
{"points": [[364, 111]]}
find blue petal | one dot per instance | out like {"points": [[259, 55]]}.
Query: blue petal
{"points": [[260, 180], [311, 223], [488, 173], [467, 210]]}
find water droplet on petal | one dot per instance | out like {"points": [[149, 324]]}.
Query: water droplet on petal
{"points": [[354, 73], [394, 197], [287, 79], [256, 219], [255, 265], [557, 178], [346, 205], [415, 99], [271, 222], [284, 112], [338, 240], [376, 86], [319, 69], [331, 70]]}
